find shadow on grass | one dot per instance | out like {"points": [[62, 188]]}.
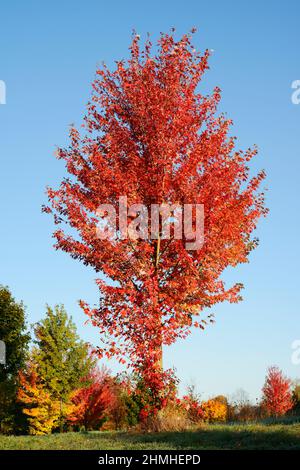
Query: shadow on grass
{"points": [[216, 437]]}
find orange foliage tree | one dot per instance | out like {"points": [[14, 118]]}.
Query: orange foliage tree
{"points": [[43, 412], [214, 410]]}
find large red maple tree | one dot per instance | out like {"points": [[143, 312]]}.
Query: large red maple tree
{"points": [[152, 136]]}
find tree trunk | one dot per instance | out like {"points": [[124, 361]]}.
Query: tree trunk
{"points": [[160, 352], [61, 417]]}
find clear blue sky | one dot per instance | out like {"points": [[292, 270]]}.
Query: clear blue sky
{"points": [[49, 53]]}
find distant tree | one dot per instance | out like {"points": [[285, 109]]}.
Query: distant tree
{"points": [[221, 399], [277, 395], [296, 396], [43, 412], [16, 338], [62, 359], [240, 399], [214, 411], [192, 392], [93, 403], [240, 408]]}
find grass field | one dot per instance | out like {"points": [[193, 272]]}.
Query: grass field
{"points": [[252, 436]]}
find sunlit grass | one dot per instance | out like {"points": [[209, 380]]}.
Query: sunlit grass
{"points": [[248, 436]]}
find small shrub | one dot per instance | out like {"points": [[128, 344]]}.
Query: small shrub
{"points": [[126, 411], [193, 409], [171, 418], [214, 411]]}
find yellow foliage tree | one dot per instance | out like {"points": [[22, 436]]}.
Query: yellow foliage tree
{"points": [[43, 412], [214, 410]]}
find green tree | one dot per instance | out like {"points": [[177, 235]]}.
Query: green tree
{"points": [[63, 360], [16, 338], [296, 396]]}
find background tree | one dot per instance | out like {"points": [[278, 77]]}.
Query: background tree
{"points": [[42, 410], [214, 411], [277, 395], [127, 407], [62, 359], [16, 338], [93, 403], [153, 137], [240, 407], [296, 395]]}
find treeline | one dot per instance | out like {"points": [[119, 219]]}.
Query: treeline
{"points": [[52, 383]]}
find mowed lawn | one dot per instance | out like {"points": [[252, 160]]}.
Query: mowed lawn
{"points": [[252, 436]]}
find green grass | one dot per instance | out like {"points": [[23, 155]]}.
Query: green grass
{"points": [[248, 436]]}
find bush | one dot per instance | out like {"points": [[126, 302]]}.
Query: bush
{"points": [[296, 399], [125, 413], [90, 405], [193, 408], [171, 418], [214, 411]]}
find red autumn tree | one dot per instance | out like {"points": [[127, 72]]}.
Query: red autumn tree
{"points": [[92, 403], [277, 395], [152, 136]]}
